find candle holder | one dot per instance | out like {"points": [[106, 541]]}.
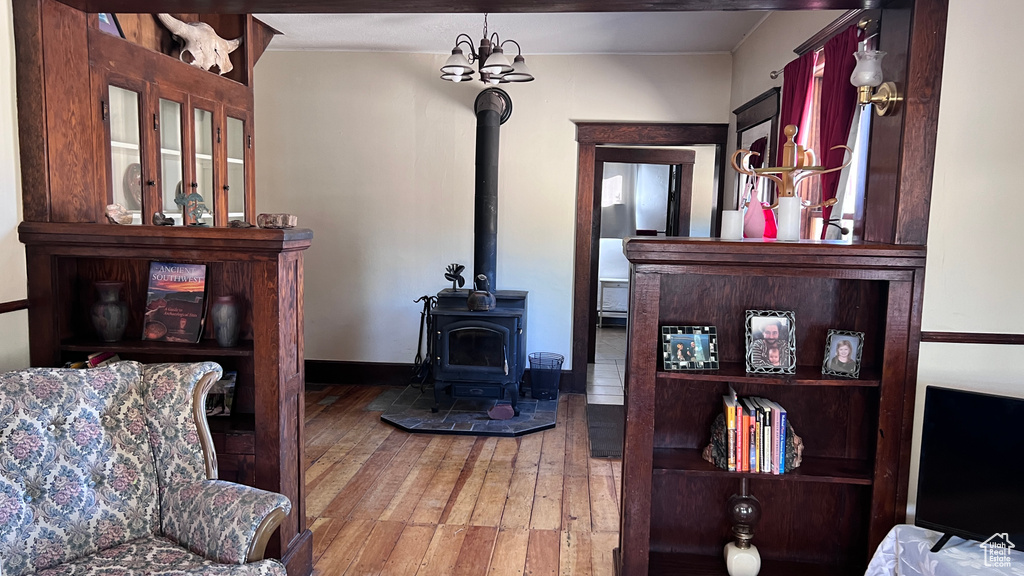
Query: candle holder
{"points": [[798, 163]]}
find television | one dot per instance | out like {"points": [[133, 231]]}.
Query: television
{"points": [[971, 477]]}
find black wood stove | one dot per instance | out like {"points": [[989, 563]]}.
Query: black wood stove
{"points": [[479, 354], [482, 354]]}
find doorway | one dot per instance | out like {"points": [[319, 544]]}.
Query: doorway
{"points": [[596, 145]]}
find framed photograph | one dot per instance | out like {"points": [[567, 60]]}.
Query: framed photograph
{"points": [[843, 353], [110, 25], [689, 347], [771, 342]]}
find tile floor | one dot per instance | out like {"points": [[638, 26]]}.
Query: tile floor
{"points": [[606, 374]]}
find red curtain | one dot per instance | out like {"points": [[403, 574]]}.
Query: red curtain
{"points": [[838, 103], [796, 87]]}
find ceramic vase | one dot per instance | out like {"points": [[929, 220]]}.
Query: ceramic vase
{"points": [[226, 320], [109, 313], [789, 218]]}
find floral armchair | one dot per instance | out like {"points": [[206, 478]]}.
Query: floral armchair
{"points": [[112, 471]]}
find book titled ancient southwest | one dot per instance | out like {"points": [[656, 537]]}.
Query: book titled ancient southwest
{"points": [[175, 302]]}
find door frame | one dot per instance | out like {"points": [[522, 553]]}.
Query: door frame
{"points": [[589, 135]]}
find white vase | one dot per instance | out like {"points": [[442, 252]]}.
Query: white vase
{"points": [[732, 225], [789, 218]]}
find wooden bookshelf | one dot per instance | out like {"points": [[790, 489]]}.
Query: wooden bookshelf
{"points": [[828, 515]]}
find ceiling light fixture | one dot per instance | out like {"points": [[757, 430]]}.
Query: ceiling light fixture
{"points": [[495, 67]]}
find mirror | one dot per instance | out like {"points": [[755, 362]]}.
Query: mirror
{"points": [[757, 129]]}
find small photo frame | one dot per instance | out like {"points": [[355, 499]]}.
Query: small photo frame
{"points": [[689, 347], [843, 350], [110, 25], [771, 342]]}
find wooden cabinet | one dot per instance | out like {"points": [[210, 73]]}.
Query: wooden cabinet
{"points": [[164, 140], [262, 444], [828, 515], [104, 119]]}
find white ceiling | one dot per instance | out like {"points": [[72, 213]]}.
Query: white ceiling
{"points": [[553, 33]]}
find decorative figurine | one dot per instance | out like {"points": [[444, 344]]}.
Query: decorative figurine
{"points": [[202, 44], [453, 274], [192, 205], [797, 164]]}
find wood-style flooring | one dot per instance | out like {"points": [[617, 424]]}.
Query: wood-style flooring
{"points": [[383, 501]]}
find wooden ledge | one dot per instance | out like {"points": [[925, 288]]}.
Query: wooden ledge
{"points": [[106, 239]]}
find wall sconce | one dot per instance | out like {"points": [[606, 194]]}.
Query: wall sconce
{"points": [[866, 76], [494, 65]]}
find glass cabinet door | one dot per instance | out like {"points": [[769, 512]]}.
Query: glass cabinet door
{"points": [[236, 169], [203, 185], [125, 151], [172, 160]]}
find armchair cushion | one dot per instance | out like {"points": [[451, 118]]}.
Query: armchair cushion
{"points": [[217, 519], [76, 469], [157, 556]]}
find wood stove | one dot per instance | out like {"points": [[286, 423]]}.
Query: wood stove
{"points": [[479, 354]]}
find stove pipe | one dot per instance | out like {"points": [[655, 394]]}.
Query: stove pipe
{"points": [[488, 107]]}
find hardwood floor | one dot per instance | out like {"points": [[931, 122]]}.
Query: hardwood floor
{"points": [[383, 501]]}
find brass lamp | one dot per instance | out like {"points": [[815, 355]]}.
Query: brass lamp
{"points": [[867, 75]]}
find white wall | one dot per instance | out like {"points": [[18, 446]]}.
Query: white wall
{"points": [[376, 154], [975, 271], [13, 325]]}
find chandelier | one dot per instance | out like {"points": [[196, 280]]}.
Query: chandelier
{"points": [[490, 57]]}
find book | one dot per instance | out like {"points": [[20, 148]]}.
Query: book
{"points": [[99, 359], [175, 302], [729, 407]]}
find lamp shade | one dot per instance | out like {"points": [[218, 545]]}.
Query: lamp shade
{"points": [[868, 71], [457, 64], [457, 77], [497, 63], [519, 73]]}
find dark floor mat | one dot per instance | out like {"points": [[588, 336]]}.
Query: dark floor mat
{"points": [[606, 425]]}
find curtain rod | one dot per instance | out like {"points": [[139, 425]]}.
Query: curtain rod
{"points": [[818, 41]]}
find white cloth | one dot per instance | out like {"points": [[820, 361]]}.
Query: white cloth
{"points": [[906, 551]]}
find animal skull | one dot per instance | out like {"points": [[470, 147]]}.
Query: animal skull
{"points": [[201, 41]]}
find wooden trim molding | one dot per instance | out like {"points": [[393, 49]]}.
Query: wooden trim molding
{"points": [[13, 305], [972, 338]]}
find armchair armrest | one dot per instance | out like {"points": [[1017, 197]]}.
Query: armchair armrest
{"points": [[222, 521]]}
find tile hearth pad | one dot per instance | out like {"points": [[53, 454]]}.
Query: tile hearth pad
{"points": [[409, 410]]}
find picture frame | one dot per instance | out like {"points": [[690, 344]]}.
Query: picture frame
{"points": [[110, 25], [689, 348], [836, 342], [768, 350]]}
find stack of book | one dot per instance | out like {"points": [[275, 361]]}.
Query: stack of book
{"points": [[756, 434]]}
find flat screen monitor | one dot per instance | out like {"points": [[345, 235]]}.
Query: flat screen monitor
{"points": [[971, 477]]}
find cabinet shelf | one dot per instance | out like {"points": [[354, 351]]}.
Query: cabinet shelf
{"points": [[805, 376], [207, 348], [701, 565], [826, 470]]}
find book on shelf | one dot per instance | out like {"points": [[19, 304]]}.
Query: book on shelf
{"points": [[175, 302], [99, 359], [756, 434], [221, 396]]}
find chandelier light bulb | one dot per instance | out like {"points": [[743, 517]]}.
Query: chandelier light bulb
{"points": [[457, 64]]}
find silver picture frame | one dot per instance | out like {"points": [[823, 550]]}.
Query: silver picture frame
{"points": [[770, 342], [833, 364]]}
